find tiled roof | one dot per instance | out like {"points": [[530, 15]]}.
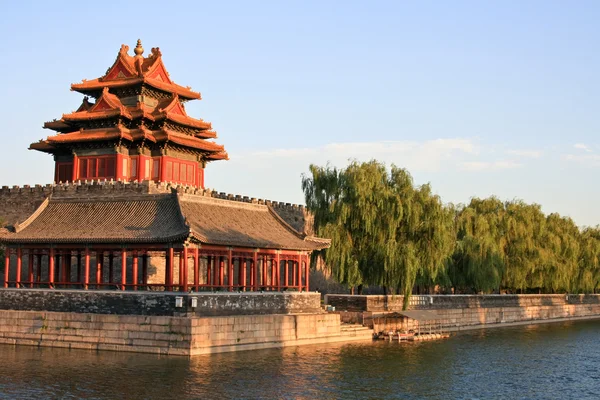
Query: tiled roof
{"points": [[146, 219], [224, 222], [159, 218]]}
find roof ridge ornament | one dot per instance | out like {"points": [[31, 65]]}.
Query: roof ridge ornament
{"points": [[139, 50]]}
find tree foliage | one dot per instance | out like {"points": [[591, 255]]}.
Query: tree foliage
{"points": [[386, 231]]}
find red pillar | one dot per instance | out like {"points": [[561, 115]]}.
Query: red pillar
{"points": [[19, 265], [307, 270], [30, 269], [209, 260], [253, 272], [123, 268], [286, 274], [299, 273], [99, 262], [196, 268], [244, 265], [221, 270], [6, 266], [294, 273], [86, 269], [230, 265], [51, 267], [278, 271], [134, 271], [184, 264], [264, 271], [145, 268], [75, 167], [169, 270]]}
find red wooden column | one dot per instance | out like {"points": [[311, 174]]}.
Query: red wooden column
{"points": [[209, 260], [286, 273], [19, 266], [244, 277], [169, 270], [307, 270], [86, 269], [294, 273], [230, 265], [123, 268], [51, 267], [145, 268], [30, 268], [78, 266], [75, 168], [278, 271], [134, 270], [264, 271], [99, 262], [39, 266], [6, 266], [183, 277], [196, 269], [255, 281], [253, 272], [221, 270], [299, 276]]}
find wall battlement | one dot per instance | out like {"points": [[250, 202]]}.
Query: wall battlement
{"points": [[18, 202]]}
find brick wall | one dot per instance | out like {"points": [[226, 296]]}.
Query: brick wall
{"points": [[158, 303]]}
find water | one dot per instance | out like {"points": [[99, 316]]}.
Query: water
{"points": [[533, 362]]}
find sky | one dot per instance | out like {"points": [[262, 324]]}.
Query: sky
{"points": [[476, 98]]}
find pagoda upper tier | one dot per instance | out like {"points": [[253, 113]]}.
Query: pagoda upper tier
{"points": [[136, 128]]}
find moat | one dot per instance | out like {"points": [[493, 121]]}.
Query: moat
{"points": [[546, 361]]}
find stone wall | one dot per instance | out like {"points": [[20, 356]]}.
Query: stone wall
{"points": [[170, 335], [464, 311], [158, 303]]}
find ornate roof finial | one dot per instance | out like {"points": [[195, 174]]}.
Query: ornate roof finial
{"points": [[139, 50]]}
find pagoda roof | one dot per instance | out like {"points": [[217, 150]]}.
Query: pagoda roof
{"points": [[215, 151], [159, 218], [134, 70], [109, 105]]}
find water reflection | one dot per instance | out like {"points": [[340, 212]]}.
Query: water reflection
{"points": [[539, 361]]}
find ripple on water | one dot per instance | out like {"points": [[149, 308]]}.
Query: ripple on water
{"points": [[533, 362]]}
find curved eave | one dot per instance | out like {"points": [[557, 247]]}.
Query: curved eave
{"points": [[92, 87], [218, 156], [8, 240], [43, 146], [87, 136], [189, 141], [87, 116]]}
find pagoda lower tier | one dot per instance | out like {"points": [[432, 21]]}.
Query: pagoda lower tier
{"points": [[150, 237]]}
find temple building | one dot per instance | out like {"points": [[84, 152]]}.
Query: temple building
{"points": [[128, 209]]}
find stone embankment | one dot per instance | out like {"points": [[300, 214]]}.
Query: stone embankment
{"points": [[460, 312], [168, 323]]}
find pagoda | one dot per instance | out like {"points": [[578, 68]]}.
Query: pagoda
{"points": [[135, 128], [128, 210]]}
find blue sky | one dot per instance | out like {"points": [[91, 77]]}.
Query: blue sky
{"points": [[477, 98]]}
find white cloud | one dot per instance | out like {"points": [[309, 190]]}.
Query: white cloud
{"points": [[590, 160], [525, 153], [582, 146], [429, 155], [489, 166]]}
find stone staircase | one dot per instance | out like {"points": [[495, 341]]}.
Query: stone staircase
{"points": [[356, 331]]}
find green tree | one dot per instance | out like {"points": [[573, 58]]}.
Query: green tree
{"points": [[384, 230]]}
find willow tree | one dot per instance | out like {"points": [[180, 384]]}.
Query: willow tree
{"points": [[478, 260], [384, 230], [588, 278]]}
